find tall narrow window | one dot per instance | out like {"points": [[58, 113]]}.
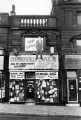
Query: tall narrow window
{"points": [[79, 18]]}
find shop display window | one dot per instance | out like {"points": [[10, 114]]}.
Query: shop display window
{"points": [[16, 91], [2, 86], [47, 91]]}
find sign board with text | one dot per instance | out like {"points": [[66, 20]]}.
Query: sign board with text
{"points": [[22, 62], [17, 75], [72, 61], [46, 75], [31, 62], [33, 43]]}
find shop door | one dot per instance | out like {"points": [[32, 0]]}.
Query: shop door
{"points": [[30, 89], [72, 88], [29, 85]]}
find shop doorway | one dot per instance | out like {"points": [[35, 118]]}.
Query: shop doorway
{"points": [[30, 89], [30, 86], [72, 90]]}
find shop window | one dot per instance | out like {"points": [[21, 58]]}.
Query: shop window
{"points": [[2, 86], [78, 46]]}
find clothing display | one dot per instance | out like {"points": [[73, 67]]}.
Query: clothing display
{"points": [[2, 92], [16, 91], [47, 91], [2, 86]]}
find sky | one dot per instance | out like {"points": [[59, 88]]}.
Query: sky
{"points": [[27, 7]]}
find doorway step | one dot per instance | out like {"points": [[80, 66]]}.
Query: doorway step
{"points": [[30, 102], [73, 105]]}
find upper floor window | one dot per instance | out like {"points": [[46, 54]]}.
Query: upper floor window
{"points": [[79, 18], [78, 43]]}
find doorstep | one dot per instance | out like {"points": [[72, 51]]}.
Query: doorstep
{"points": [[73, 105]]}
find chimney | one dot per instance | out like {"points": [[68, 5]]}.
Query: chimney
{"points": [[13, 10], [53, 10]]}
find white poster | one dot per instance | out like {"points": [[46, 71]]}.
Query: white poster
{"points": [[17, 75], [46, 75], [33, 43]]}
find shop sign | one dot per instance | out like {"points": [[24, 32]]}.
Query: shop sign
{"points": [[33, 43], [71, 74], [73, 62], [22, 62], [1, 62], [17, 75], [30, 62], [47, 62], [46, 75]]}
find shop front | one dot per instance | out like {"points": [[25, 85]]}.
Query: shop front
{"points": [[73, 72], [35, 78], [2, 76], [72, 87]]}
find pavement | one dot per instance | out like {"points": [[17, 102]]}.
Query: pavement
{"points": [[35, 117], [39, 110]]}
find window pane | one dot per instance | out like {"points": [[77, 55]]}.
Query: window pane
{"points": [[78, 42], [79, 19]]}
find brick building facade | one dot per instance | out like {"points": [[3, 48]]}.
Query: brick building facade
{"points": [[68, 15]]}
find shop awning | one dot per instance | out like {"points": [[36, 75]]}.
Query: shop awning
{"points": [[72, 61], [71, 74]]}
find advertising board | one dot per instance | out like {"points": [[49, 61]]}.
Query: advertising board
{"points": [[17, 75], [31, 62], [22, 62], [46, 75], [73, 61], [33, 43]]}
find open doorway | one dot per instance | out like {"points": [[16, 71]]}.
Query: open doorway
{"points": [[30, 86], [72, 87]]}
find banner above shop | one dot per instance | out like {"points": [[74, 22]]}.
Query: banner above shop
{"points": [[17, 75], [46, 75], [71, 75], [22, 62], [29, 62], [47, 62], [73, 62]]}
